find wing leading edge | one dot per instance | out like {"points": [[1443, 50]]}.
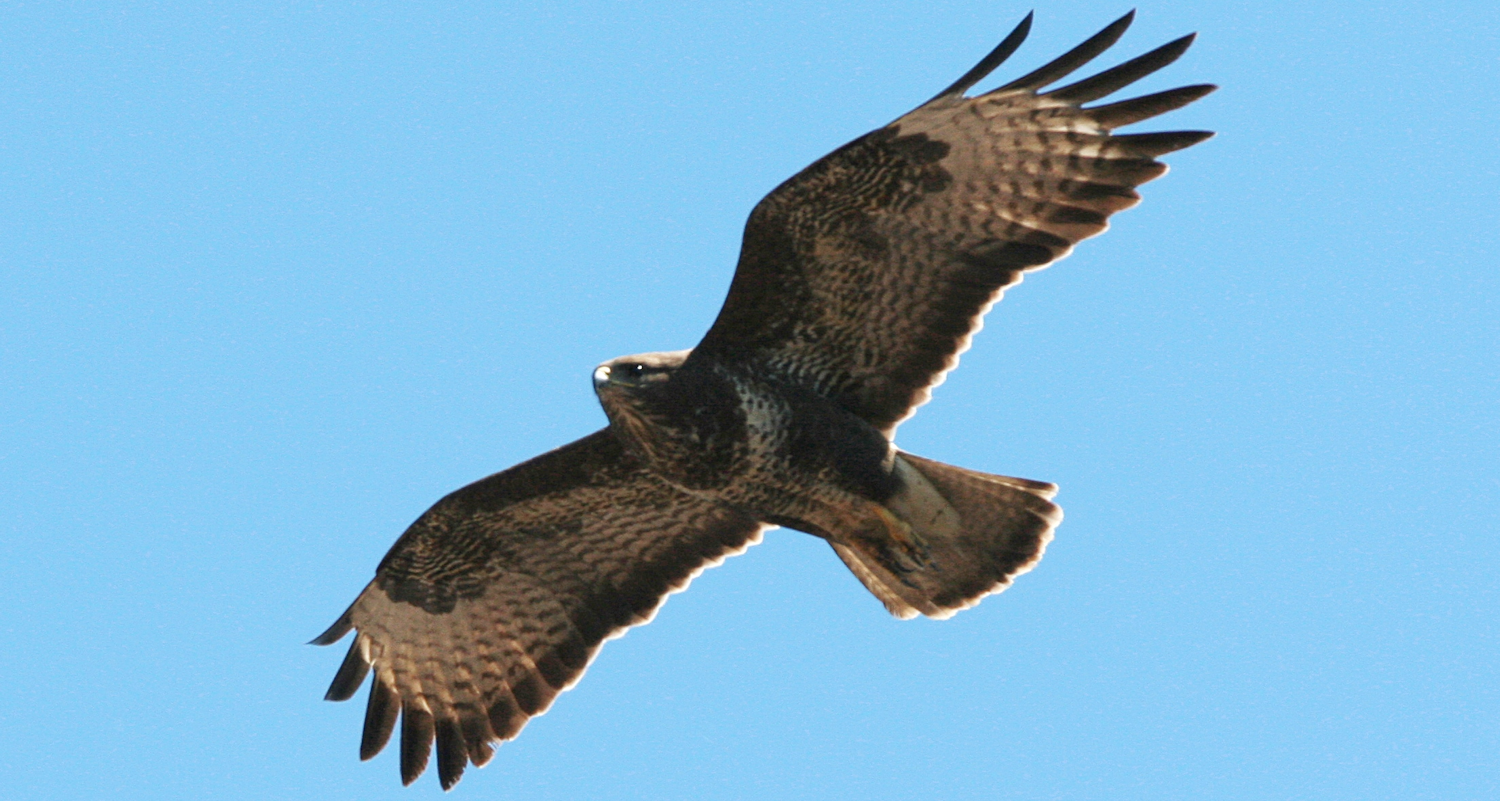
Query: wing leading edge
{"points": [[865, 275]]}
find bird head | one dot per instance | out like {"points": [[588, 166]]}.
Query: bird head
{"points": [[637, 374], [627, 386]]}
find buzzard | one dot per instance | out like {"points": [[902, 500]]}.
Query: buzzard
{"points": [[860, 280]]}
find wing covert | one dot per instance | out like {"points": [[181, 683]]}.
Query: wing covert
{"points": [[865, 275], [497, 598]]}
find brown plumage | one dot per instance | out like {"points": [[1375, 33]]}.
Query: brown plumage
{"points": [[860, 281], [866, 273], [498, 597]]}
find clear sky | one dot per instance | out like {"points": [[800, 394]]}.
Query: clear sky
{"points": [[274, 278]]}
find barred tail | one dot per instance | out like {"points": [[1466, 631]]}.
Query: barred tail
{"points": [[955, 536]]}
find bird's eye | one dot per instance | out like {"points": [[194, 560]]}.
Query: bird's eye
{"points": [[635, 370]]}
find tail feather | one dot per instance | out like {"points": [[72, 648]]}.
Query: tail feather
{"points": [[964, 535]]}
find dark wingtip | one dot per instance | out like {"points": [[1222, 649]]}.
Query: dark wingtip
{"points": [[1116, 29], [1136, 109], [1173, 50], [1152, 145], [452, 753], [335, 632], [1125, 74], [416, 742], [350, 676], [380, 719], [1075, 58], [994, 59]]}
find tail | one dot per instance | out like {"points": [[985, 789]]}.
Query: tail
{"points": [[953, 536]]}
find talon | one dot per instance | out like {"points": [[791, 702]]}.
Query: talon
{"points": [[899, 530], [910, 551]]}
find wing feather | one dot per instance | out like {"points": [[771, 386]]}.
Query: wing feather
{"points": [[380, 716], [1115, 78], [1065, 64], [1116, 115], [498, 597], [987, 65], [865, 275]]}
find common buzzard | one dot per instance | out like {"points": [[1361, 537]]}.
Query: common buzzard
{"points": [[860, 280]]}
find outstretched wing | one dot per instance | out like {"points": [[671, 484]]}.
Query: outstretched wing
{"points": [[865, 275], [498, 597]]}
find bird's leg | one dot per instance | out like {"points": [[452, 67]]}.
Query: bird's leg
{"points": [[865, 526], [891, 542]]}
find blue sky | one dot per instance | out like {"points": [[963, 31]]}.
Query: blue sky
{"points": [[275, 278]]}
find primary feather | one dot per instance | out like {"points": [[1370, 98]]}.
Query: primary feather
{"points": [[860, 281], [865, 275]]}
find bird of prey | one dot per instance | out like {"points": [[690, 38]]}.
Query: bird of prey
{"points": [[860, 280]]}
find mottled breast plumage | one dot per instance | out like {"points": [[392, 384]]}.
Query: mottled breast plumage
{"points": [[860, 281]]}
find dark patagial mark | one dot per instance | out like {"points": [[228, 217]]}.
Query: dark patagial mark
{"points": [[916, 158], [434, 599], [440, 561], [917, 148]]}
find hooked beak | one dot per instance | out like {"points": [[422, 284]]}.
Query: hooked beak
{"points": [[601, 376]]}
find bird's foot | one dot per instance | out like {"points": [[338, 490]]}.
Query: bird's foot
{"points": [[897, 546]]}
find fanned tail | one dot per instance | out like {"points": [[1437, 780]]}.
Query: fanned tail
{"points": [[956, 535]]}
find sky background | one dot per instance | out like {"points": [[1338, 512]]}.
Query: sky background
{"points": [[276, 277]]}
